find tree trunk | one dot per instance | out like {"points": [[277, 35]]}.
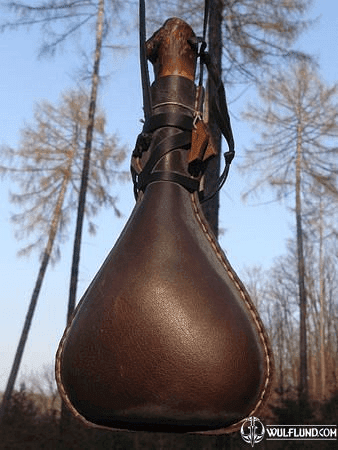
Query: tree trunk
{"points": [[31, 309], [86, 163], [211, 207], [303, 381], [322, 300], [66, 418], [280, 341]]}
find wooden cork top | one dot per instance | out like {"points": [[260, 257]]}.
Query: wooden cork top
{"points": [[170, 52]]}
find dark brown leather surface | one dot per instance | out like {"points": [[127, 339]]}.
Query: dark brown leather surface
{"points": [[165, 337]]}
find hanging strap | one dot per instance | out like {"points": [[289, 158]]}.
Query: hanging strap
{"points": [[147, 104], [204, 39], [222, 118]]}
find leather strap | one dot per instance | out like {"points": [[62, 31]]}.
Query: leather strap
{"points": [[147, 103], [188, 183], [168, 119], [165, 132]]}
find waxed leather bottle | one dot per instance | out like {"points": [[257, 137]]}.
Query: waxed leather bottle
{"points": [[166, 337]]}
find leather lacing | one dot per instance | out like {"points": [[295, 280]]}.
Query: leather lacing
{"points": [[180, 140], [142, 176]]}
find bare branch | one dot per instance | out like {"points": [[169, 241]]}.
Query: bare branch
{"points": [[49, 154]]}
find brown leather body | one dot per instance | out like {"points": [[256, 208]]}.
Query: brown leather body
{"points": [[165, 338]]}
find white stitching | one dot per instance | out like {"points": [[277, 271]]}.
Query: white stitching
{"points": [[248, 302]]}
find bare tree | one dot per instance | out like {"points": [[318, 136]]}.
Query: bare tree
{"points": [[273, 292], [42, 383], [86, 160], [253, 34], [276, 289], [299, 120], [321, 226], [61, 20], [46, 168]]}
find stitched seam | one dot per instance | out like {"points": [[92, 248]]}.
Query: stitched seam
{"points": [[58, 377], [250, 306]]}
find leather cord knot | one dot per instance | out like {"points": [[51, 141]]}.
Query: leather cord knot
{"points": [[142, 144]]}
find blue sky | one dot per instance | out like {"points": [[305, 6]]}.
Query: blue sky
{"points": [[254, 235]]}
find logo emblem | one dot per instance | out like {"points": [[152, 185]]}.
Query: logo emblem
{"points": [[252, 431]]}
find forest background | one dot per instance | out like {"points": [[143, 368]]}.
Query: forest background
{"points": [[254, 234]]}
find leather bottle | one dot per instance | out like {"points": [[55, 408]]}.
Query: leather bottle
{"points": [[166, 337]]}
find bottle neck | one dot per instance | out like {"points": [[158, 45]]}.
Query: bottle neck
{"points": [[173, 93]]}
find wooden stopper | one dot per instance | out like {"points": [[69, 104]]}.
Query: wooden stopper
{"points": [[170, 51]]}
